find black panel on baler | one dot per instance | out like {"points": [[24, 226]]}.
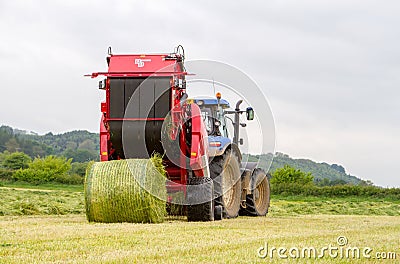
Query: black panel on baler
{"points": [[162, 96], [132, 94], [147, 98], [151, 100], [117, 95], [116, 138], [133, 98], [160, 109]]}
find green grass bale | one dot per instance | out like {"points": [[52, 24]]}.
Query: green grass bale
{"points": [[131, 190]]}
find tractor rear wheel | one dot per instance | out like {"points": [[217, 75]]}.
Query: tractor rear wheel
{"points": [[225, 172], [257, 203], [202, 192]]}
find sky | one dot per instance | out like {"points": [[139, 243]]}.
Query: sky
{"points": [[330, 69]]}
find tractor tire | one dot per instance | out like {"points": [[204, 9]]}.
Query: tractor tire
{"points": [[225, 172], [257, 203], [203, 211], [218, 212]]}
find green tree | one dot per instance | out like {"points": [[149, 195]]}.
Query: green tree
{"points": [[6, 133], [88, 144], [79, 168], [339, 168], [80, 155], [45, 169], [366, 183], [289, 174], [16, 160], [71, 145], [12, 145], [3, 155], [58, 165]]}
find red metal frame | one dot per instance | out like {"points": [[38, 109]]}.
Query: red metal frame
{"points": [[136, 119], [131, 66], [199, 148], [104, 140], [144, 74]]}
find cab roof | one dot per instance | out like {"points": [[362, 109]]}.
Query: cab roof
{"points": [[212, 101]]}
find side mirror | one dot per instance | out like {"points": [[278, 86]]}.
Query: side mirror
{"points": [[249, 113]]}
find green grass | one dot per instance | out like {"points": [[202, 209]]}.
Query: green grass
{"points": [[33, 229], [303, 205], [23, 199], [318, 198], [70, 239], [44, 186], [20, 201]]}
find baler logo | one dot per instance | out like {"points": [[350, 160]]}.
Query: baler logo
{"points": [[140, 62]]}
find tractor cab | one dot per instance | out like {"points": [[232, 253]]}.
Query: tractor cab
{"points": [[215, 113], [212, 112]]}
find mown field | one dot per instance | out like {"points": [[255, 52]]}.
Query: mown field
{"points": [[50, 199], [47, 225]]}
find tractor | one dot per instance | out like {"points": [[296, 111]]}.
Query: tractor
{"points": [[147, 110]]}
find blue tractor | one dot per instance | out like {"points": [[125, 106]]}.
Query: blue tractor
{"points": [[240, 188]]}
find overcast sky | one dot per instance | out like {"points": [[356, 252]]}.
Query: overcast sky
{"points": [[330, 69]]}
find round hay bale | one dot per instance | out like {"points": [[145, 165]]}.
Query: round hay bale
{"points": [[131, 190]]}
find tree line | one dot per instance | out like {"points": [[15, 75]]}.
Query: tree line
{"points": [[80, 146], [285, 181], [63, 158], [289, 181], [323, 173], [19, 166]]}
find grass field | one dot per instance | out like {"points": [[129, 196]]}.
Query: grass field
{"points": [[20, 199], [48, 201], [299, 205], [70, 239], [34, 229]]}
